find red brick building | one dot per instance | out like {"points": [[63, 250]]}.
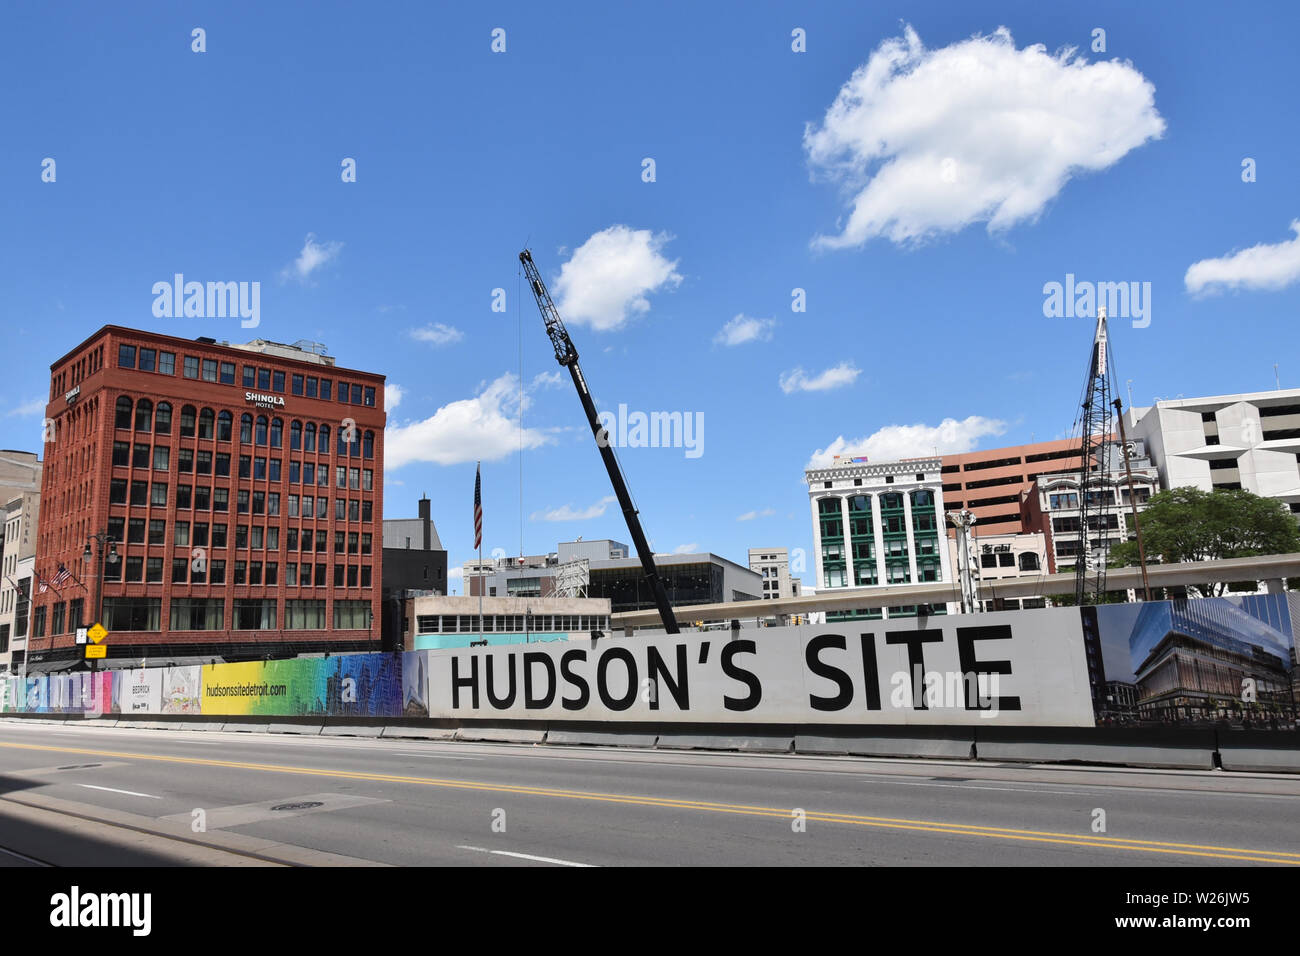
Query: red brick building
{"points": [[993, 483], [239, 487]]}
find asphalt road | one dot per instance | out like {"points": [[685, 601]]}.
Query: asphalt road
{"points": [[72, 795]]}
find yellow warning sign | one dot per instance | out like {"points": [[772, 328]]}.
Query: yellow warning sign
{"points": [[97, 633], [96, 651]]}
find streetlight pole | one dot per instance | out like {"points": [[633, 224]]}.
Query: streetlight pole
{"points": [[106, 552]]}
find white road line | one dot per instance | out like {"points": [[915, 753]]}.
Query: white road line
{"points": [[129, 793], [399, 753], [526, 856], [961, 786]]}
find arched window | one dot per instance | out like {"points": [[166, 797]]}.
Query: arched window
{"points": [[891, 500], [260, 435], [206, 418], [295, 435], [144, 415], [325, 439], [162, 419], [342, 449], [277, 432], [188, 412], [368, 446], [309, 437], [1028, 561], [923, 499], [124, 408], [224, 422], [246, 428], [355, 450]]}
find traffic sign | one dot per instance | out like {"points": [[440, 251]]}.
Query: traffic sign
{"points": [[94, 651], [97, 633]]}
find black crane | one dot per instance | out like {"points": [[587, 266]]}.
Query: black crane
{"points": [[567, 355]]}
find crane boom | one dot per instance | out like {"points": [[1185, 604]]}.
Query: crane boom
{"points": [[567, 355]]}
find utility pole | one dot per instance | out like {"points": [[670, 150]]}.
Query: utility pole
{"points": [[1132, 500], [962, 521]]}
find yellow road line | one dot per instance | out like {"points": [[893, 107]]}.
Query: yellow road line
{"points": [[671, 803]]}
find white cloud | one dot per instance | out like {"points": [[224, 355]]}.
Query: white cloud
{"points": [[393, 395], [35, 406], [949, 437], [929, 141], [797, 380], [436, 333], [751, 515], [484, 427], [456, 573], [1264, 266], [314, 255], [691, 548], [567, 513], [607, 280], [546, 380], [744, 329]]}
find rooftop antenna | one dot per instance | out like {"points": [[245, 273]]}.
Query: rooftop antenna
{"points": [[1276, 380]]}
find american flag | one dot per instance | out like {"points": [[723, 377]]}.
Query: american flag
{"points": [[44, 584], [478, 508], [62, 576]]}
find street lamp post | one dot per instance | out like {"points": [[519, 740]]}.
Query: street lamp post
{"points": [[106, 552], [528, 621]]}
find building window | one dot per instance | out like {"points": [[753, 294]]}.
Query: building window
{"points": [[227, 373], [311, 387], [264, 379], [209, 370], [162, 420], [197, 614], [140, 459], [132, 614], [325, 386], [1028, 561], [124, 409], [191, 367], [202, 497], [144, 415], [249, 377], [125, 359], [188, 415], [304, 614], [253, 615], [206, 419], [246, 428], [166, 363], [351, 615], [295, 385]]}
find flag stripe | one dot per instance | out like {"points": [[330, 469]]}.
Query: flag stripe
{"points": [[478, 509]]}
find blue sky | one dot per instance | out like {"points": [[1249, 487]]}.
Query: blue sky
{"points": [[982, 172]]}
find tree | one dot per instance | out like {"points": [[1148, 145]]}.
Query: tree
{"points": [[1188, 525]]}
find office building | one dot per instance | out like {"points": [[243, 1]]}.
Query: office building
{"points": [[876, 524], [18, 560], [1249, 440], [222, 501], [992, 482], [415, 564]]}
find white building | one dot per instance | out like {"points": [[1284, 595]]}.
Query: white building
{"points": [[1250, 441], [17, 560], [773, 565], [878, 523], [1004, 557]]}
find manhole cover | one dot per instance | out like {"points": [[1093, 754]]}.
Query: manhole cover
{"points": [[306, 805], [79, 766]]}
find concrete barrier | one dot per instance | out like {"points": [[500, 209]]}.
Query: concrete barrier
{"points": [[599, 738], [309, 728], [503, 734], [1183, 748], [954, 744], [764, 743], [413, 731], [1260, 751], [351, 730]]}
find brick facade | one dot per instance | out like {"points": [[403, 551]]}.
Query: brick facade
{"points": [[138, 423]]}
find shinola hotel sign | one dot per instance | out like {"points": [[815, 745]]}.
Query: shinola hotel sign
{"points": [[263, 400]]}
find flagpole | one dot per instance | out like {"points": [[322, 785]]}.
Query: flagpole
{"points": [[481, 581]]}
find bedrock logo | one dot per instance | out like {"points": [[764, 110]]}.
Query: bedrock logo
{"points": [[653, 430], [213, 300], [1122, 300], [74, 909]]}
